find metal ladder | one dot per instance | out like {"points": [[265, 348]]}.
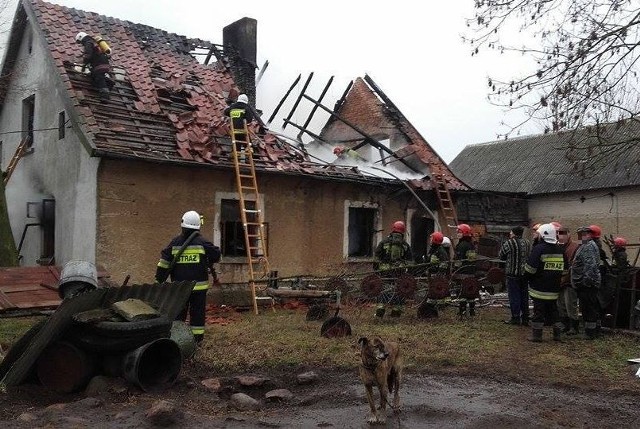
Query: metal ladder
{"points": [[446, 203], [19, 153], [252, 219]]}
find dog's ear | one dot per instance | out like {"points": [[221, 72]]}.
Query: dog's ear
{"points": [[363, 341]]}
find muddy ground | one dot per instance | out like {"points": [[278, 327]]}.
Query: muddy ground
{"points": [[335, 399]]}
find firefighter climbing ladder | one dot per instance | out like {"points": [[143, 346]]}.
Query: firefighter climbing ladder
{"points": [[446, 203], [20, 151], [252, 218]]}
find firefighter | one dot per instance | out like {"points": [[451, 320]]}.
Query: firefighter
{"points": [[586, 278], [438, 255], [544, 268], [393, 254], [241, 114], [98, 63], [189, 256], [619, 253], [465, 255]]}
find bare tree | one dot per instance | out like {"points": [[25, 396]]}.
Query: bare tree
{"points": [[585, 53]]}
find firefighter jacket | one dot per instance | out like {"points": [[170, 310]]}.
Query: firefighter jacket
{"points": [[438, 257], [545, 267], [585, 269], [465, 251], [194, 262], [393, 252], [514, 252], [239, 113]]}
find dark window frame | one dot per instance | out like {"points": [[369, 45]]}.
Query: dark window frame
{"points": [[361, 231], [28, 118], [232, 241]]}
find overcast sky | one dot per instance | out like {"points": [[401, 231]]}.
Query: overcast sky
{"points": [[412, 50]]}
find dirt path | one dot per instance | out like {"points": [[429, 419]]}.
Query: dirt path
{"points": [[338, 401]]}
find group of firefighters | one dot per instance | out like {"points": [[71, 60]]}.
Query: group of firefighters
{"points": [[558, 275]]}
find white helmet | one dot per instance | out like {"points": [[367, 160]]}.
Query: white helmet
{"points": [[191, 220], [548, 233], [242, 98], [81, 35], [446, 242]]}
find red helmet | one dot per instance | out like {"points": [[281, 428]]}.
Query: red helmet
{"points": [[465, 230], [596, 231], [437, 237], [620, 242], [536, 226], [398, 226], [338, 150], [556, 225]]}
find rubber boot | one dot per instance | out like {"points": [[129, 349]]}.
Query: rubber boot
{"points": [[598, 327], [575, 327], [557, 331], [525, 321], [566, 325], [536, 332], [512, 321], [462, 309], [380, 311], [590, 331], [472, 309], [396, 312]]}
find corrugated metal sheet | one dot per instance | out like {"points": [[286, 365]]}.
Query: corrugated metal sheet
{"points": [[550, 163], [167, 298]]}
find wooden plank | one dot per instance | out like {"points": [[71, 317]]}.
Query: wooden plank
{"points": [[20, 288], [5, 302]]}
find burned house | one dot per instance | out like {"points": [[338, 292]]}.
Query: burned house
{"points": [[108, 181]]}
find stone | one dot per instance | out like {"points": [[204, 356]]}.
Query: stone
{"points": [[308, 377], [278, 395], [212, 384], [164, 413], [244, 402]]}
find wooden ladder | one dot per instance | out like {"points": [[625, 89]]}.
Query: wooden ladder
{"points": [[446, 204], [19, 153], [252, 218]]}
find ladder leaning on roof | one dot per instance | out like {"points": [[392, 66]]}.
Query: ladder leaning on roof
{"points": [[18, 154], [252, 218], [446, 203]]}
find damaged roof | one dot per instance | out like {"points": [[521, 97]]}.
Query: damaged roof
{"points": [[375, 114], [585, 159], [166, 106]]}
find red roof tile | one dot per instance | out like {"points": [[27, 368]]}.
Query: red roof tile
{"points": [[167, 105]]}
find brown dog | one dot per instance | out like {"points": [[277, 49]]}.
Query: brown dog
{"points": [[381, 366]]}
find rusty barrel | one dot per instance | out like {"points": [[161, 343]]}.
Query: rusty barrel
{"points": [[154, 366], [64, 367]]}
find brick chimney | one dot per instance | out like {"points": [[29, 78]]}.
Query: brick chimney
{"points": [[240, 41]]}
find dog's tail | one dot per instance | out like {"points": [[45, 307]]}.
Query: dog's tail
{"points": [[391, 378]]}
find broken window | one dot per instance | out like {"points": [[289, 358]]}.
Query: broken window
{"points": [[232, 242], [61, 124], [361, 231], [28, 114]]}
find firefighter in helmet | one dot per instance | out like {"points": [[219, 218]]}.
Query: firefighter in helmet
{"points": [[190, 256], [465, 255], [393, 254], [98, 63]]}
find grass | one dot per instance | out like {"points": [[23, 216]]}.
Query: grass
{"points": [[486, 347]]}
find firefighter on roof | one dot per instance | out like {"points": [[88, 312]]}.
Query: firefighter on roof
{"points": [[95, 57]]}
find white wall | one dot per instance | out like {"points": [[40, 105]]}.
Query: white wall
{"points": [[617, 211], [58, 169]]}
